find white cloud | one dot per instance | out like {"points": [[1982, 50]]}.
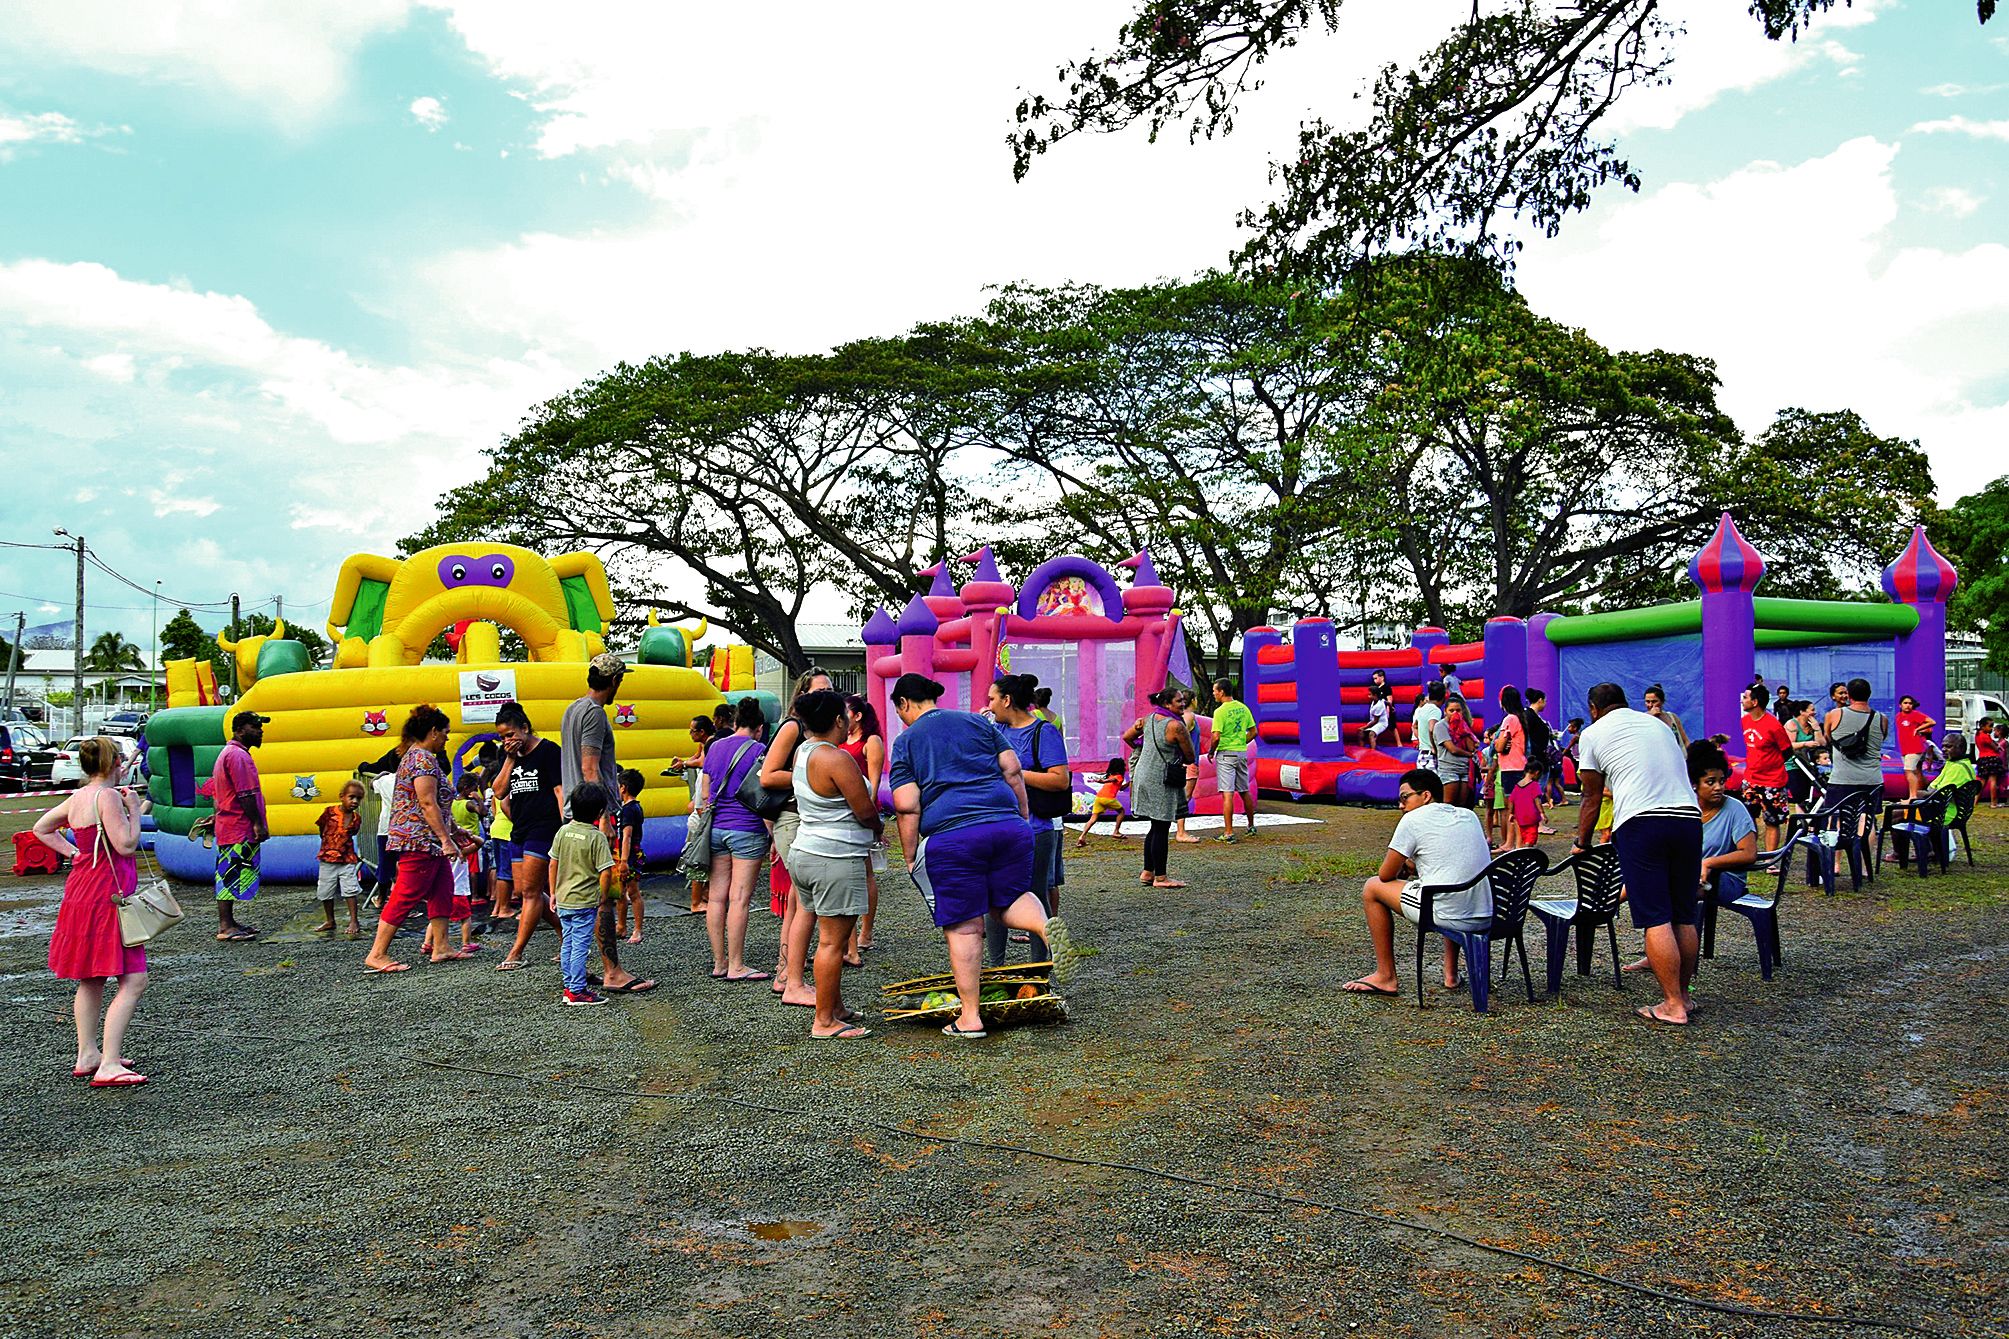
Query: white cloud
{"points": [[1954, 200], [429, 112], [166, 504], [1787, 277], [1724, 50], [22, 128], [1964, 125], [112, 366], [291, 61]]}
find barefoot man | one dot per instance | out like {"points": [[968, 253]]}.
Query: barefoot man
{"points": [[1657, 828], [1437, 844]]}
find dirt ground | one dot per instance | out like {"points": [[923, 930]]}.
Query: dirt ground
{"points": [[449, 1152]]}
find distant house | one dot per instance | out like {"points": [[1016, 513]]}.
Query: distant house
{"points": [[45, 671]]}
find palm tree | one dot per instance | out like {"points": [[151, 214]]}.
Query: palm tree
{"points": [[111, 653]]}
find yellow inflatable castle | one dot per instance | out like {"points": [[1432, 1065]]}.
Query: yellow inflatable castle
{"points": [[325, 723]]}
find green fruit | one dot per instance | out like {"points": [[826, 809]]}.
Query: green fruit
{"points": [[992, 994]]}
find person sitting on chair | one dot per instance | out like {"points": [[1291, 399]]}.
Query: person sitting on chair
{"points": [[1437, 844]]}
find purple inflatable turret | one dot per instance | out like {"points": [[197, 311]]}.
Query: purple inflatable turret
{"points": [[1726, 569], [1922, 578]]}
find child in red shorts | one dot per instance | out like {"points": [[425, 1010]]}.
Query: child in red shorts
{"points": [[1526, 803]]}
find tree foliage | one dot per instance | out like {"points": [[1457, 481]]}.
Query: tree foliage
{"points": [[754, 476], [1974, 535], [111, 652], [1501, 120], [1413, 443]]}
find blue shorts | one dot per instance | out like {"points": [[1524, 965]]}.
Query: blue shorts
{"points": [[532, 848], [507, 853], [969, 872], [740, 845], [1660, 857]]}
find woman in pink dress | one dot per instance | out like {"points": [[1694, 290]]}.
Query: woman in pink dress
{"points": [[87, 947]]}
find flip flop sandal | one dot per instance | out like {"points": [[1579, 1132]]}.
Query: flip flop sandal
{"points": [[750, 976], [385, 971], [126, 1080], [1648, 1013], [509, 964], [632, 988], [977, 1034], [850, 1032], [237, 936], [86, 1073], [1366, 988]]}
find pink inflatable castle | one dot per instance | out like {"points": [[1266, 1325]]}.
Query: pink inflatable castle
{"points": [[1102, 649]]}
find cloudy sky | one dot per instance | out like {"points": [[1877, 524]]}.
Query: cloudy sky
{"points": [[272, 275]]}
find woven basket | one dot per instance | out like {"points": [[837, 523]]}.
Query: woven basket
{"points": [[1017, 974], [996, 1013]]}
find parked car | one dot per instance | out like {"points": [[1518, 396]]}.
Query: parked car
{"points": [[1964, 709], [124, 723], [67, 769], [25, 757]]}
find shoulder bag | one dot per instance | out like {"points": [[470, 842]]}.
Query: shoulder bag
{"points": [[1175, 765], [765, 802], [150, 908]]}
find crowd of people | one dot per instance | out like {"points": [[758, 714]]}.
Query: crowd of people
{"points": [[549, 833], [1661, 800]]}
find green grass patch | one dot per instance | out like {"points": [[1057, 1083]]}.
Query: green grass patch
{"points": [[1309, 867]]}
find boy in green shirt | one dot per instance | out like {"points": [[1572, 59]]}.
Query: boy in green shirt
{"points": [[582, 873], [1234, 727]]}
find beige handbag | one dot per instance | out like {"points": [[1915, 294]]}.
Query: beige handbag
{"points": [[150, 908]]}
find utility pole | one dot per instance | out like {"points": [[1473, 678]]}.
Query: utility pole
{"points": [[279, 608], [233, 641], [153, 679], [77, 638], [14, 654]]}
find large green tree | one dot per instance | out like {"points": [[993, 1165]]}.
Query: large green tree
{"points": [[753, 476], [1504, 119]]}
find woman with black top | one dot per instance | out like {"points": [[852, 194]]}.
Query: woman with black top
{"points": [[530, 789]]}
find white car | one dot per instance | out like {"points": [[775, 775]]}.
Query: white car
{"points": [[68, 770]]}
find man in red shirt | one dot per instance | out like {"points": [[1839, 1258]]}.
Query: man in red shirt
{"points": [[1913, 726], [1766, 746], [239, 824]]}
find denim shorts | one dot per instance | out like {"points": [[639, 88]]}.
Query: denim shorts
{"points": [[740, 845]]}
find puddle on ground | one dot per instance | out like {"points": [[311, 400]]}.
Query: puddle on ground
{"points": [[29, 915], [785, 1230]]}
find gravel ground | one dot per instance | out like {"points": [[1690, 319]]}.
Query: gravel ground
{"points": [[1831, 1141]]}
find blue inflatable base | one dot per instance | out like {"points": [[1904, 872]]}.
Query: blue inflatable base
{"points": [[294, 859]]}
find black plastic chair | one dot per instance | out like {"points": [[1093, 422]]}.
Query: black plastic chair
{"points": [[1513, 876], [1916, 825], [1831, 831], [1959, 809], [1593, 899]]}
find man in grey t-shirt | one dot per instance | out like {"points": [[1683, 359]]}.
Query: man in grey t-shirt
{"points": [[586, 740], [1437, 844]]}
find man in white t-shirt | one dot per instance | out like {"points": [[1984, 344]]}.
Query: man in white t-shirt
{"points": [[1656, 825], [1436, 844]]}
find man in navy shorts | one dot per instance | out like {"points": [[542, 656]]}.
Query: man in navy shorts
{"points": [[1657, 828], [962, 820]]}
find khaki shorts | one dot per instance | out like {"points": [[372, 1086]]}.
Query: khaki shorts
{"points": [[338, 881], [785, 828], [831, 885], [1231, 772]]}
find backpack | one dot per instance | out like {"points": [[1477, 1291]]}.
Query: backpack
{"points": [[1857, 747], [1049, 803]]}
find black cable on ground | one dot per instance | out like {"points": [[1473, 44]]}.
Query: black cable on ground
{"points": [[1219, 1187]]}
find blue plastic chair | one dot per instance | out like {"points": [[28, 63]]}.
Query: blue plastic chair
{"points": [[1748, 901], [1513, 875], [1590, 900], [1917, 824], [1831, 831]]}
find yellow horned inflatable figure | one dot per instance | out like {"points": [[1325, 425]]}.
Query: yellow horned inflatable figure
{"points": [[388, 610], [245, 652]]}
